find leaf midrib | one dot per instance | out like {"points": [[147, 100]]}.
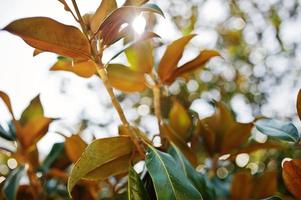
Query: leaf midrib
{"points": [[165, 169]]}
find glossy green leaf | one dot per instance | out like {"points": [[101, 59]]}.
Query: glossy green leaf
{"points": [[278, 129], [56, 150], [9, 134], [102, 158], [47, 34], [123, 78], [11, 184], [168, 178], [173, 137], [136, 190], [196, 178]]}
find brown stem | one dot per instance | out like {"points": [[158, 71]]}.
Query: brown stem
{"points": [[103, 75], [34, 182], [79, 16], [157, 103]]}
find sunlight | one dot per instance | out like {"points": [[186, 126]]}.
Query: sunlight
{"points": [[139, 24]]}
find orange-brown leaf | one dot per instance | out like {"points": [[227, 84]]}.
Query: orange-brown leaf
{"points": [[172, 56], [84, 69], [47, 34], [7, 102], [36, 52], [236, 136], [219, 124], [74, 147], [199, 61], [208, 136], [291, 173], [110, 27], [123, 78], [104, 9], [265, 185], [33, 131], [241, 186]]}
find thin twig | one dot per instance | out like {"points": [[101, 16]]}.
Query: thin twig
{"points": [[81, 21]]}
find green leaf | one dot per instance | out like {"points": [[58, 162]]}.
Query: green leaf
{"points": [[47, 34], [197, 179], [136, 190], [153, 8], [173, 137], [56, 150], [278, 129], [9, 134], [168, 178], [11, 184], [102, 158]]}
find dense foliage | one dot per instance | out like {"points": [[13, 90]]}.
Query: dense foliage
{"points": [[216, 157]]}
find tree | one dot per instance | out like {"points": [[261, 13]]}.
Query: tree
{"points": [[195, 158]]}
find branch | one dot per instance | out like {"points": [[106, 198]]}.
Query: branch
{"points": [[81, 21], [103, 75]]}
